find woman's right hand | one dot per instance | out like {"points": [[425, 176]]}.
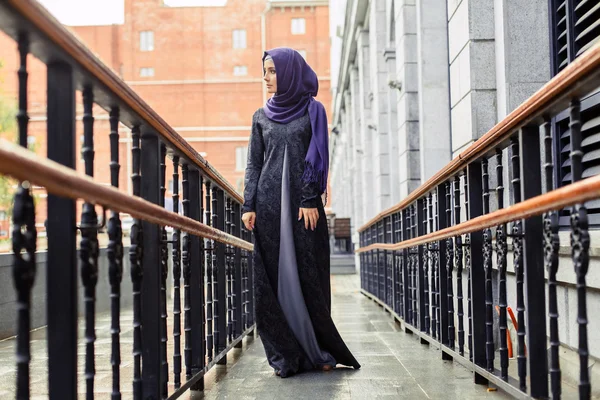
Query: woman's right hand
{"points": [[249, 219]]}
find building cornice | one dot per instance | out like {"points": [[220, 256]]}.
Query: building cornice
{"points": [[298, 3], [202, 81], [356, 11]]}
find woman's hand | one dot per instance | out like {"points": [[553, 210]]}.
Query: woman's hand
{"points": [[249, 219], [310, 215]]}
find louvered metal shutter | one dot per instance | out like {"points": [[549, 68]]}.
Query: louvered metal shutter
{"points": [[587, 24], [561, 37], [576, 28]]}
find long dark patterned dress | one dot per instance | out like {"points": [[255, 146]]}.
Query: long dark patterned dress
{"points": [[291, 263]]}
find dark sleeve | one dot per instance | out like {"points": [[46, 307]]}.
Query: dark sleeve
{"points": [[310, 195], [256, 156]]}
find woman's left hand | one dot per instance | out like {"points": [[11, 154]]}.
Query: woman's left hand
{"points": [[310, 215]]}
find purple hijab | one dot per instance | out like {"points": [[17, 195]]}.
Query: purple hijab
{"points": [[297, 84]]}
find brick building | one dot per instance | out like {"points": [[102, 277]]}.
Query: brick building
{"points": [[198, 67]]}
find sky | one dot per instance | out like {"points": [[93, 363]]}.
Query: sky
{"points": [[104, 12]]}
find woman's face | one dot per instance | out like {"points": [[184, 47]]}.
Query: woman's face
{"points": [[269, 76]]}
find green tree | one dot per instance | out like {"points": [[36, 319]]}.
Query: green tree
{"points": [[8, 131]]}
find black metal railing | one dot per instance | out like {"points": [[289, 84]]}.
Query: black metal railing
{"points": [[210, 250], [496, 200]]}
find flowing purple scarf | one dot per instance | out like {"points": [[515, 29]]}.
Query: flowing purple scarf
{"points": [[297, 84]]}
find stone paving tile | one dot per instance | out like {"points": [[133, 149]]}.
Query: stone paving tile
{"points": [[395, 365]]}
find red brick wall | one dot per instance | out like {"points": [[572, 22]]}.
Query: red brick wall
{"points": [[194, 87]]}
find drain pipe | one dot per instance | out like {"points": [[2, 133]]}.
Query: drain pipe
{"points": [[263, 42]]}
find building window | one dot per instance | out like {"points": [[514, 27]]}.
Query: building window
{"points": [[302, 53], [239, 185], [241, 157], [239, 39], [575, 28], [146, 41], [298, 26], [146, 72], [240, 70]]}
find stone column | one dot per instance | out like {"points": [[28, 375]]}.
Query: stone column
{"points": [[358, 191], [392, 125], [522, 66], [379, 90], [366, 134], [472, 70], [408, 101], [433, 81]]}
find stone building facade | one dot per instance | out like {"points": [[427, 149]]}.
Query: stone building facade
{"points": [[415, 82]]}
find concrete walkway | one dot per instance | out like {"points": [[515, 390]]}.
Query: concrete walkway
{"points": [[394, 365]]}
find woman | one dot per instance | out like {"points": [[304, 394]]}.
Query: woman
{"points": [[286, 175]]}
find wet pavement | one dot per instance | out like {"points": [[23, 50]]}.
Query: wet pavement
{"points": [[394, 364]]}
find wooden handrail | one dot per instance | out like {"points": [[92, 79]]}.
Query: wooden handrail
{"points": [[59, 180], [117, 92], [576, 193], [577, 79]]}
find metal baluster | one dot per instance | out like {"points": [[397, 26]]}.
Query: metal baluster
{"points": [[378, 286], [398, 266], [115, 258], [432, 257], [501, 252], [220, 277], [176, 281], [518, 264], [487, 265], [426, 258], [415, 257], [228, 271], [370, 263], [187, 273], [135, 258], [409, 268], [195, 275], [551, 247], [215, 271], [23, 240], [89, 249], [236, 217], [375, 262], [449, 268], [458, 259], [436, 269], [209, 277], [382, 258], [468, 266], [580, 244], [391, 263], [401, 266], [245, 279], [164, 263]]}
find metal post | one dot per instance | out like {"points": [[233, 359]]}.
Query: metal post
{"points": [[475, 204], [197, 270], [533, 264], [221, 281], [61, 276], [151, 263]]}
